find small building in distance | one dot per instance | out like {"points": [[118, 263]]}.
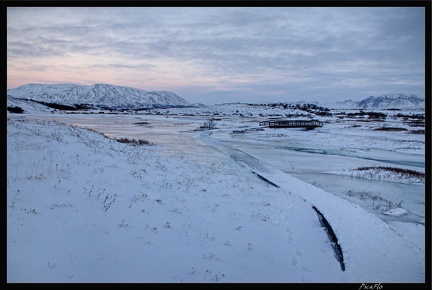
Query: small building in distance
{"points": [[308, 124]]}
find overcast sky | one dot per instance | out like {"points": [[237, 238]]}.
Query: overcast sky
{"points": [[215, 55]]}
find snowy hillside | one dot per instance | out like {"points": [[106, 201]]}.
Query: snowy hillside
{"points": [[98, 95], [388, 101], [26, 105], [83, 207]]}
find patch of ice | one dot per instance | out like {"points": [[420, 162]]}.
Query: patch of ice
{"points": [[396, 212]]}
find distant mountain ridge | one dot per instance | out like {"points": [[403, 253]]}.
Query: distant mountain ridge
{"points": [[387, 101], [104, 96]]}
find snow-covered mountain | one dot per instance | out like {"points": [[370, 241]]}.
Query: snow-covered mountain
{"points": [[98, 96], [397, 101], [388, 101]]}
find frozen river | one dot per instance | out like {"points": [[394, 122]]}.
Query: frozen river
{"points": [[319, 166], [312, 156]]}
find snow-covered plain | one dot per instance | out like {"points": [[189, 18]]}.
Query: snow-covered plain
{"points": [[210, 206]]}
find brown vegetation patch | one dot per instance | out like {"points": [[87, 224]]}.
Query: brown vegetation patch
{"points": [[419, 132], [390, 129], [408, 172], [133, 141]]}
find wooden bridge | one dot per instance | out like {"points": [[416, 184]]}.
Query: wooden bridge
{"points": [[308, 124]]}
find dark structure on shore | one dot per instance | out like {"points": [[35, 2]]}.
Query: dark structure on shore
{"points": [[308, 124]]}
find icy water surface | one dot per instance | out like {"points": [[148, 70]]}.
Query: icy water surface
{"points": [[317, 166]]}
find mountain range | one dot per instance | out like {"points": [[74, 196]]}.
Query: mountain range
{"points": [[106, 96], [387, 101], [102, 96]]}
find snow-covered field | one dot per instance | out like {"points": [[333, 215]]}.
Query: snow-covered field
{"points": [[211, 206]]}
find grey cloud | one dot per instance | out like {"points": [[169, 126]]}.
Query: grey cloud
{"points": [[50, 41], [289, 46], [32, 49], [141, 66]]}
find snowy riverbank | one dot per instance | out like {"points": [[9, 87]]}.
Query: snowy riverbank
{"points": [[85, 208]]}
